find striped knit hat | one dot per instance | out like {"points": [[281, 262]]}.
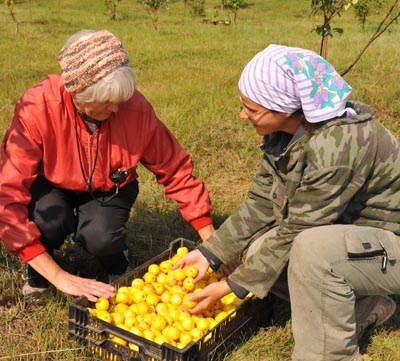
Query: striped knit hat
{"points": [[89, 59], [285, 79]]}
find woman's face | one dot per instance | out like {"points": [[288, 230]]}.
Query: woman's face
{"points": [[95, 110], [266, 121]]}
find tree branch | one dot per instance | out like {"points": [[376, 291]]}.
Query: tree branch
{"points": [[382, 27]]}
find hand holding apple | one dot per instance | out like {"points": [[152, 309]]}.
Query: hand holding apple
{"points": [[206, 298], [194, 258]]}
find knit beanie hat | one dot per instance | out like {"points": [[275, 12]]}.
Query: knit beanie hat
{"points": [[285, 79], [89, 59]]}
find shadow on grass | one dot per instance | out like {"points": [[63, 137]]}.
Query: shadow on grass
{"points": [[280, 312], [149, 232]]}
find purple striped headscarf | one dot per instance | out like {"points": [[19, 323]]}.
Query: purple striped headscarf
{"points": [[285, 79]]}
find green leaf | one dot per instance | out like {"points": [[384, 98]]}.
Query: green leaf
{"points": [[338, 30]]}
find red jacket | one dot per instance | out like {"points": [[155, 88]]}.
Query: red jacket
{"points": [[42, 140]]}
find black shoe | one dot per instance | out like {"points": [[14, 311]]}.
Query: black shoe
{"points": [[35, 284]]}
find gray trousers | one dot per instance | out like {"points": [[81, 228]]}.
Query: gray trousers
{"points": [[331, 267]]}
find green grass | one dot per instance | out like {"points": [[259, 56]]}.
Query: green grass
{"points": [[189, 71]]}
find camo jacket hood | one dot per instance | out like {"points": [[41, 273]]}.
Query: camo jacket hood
{"points": [[345, 172]]}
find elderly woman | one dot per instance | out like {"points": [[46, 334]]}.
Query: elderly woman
{"points": [[323, 212], [68, 165]]}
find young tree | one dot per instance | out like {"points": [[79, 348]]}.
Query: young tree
{"points": [[334, 8], [111, 6], [10, 4], [197, 7], [153, 7], [234, 6], [363, 8], [329, 10], [391, 16]]}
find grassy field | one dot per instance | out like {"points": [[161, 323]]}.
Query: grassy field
{"points": [[189, 72]]}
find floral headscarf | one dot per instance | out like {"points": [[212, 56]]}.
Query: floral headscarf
{"points": [[285, 79]]}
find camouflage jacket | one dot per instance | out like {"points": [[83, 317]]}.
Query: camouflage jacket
{"points": [[345, 172]]}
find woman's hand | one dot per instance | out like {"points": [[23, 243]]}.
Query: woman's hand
{"points": [[208, 297], [68, 283], [193, 258], [78, 286]]}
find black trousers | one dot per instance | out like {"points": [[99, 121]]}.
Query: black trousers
{"points": [[98, 227]]}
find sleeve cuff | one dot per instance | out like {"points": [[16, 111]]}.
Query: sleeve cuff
{"points": [[239, 291], [31, 251], [214, 261], [201, 222]]}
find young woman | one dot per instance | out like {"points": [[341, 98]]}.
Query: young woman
{"points": [[323, 216]]}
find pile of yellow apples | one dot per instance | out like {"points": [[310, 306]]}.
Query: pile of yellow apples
{"points": [[151, 306]]}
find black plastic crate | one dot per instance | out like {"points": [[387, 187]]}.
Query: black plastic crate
{"points": [[230, 332]]}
